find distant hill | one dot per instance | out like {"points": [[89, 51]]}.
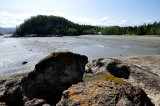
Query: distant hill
{"points": [[7, 30], [43, 25]]}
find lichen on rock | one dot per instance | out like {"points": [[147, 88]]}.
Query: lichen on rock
{"points": [[100, 93], [137, 70]]}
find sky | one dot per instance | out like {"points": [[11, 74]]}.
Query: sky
{"points": [[90, 12]]}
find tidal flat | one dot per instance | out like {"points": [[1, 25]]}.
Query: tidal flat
{"points": [[14, 51]]}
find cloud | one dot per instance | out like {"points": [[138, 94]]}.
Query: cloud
{"points": [[123, 22], [89, 21], [80, 20], [148, 21], [104, 19], [12, 20]]}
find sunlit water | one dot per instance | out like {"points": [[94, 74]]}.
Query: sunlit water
{"points": [[13, 51]]}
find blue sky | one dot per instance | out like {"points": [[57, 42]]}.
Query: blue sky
{"points": [[93, 12]]}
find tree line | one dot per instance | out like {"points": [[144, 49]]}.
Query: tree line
{"points": [[145, 29], [53, 25]]}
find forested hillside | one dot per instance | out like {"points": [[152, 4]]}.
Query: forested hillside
{"points": [[53, 25], [146, 29]]}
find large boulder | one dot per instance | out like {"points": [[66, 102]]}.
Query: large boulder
{"points": [[141, 70], [104, 93], [53, 75], [45, 84]]}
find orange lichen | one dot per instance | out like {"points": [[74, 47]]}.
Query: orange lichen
{"points": [[98, 92], [84, 102], [70, 92]]}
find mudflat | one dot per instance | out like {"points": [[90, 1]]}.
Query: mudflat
{"points": [[14, 51]]}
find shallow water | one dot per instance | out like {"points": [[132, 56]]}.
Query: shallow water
{"points": [[1, 39], [13, 51]]}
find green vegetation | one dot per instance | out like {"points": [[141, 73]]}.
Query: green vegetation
{"points": [[1, 34], [110, 77], [114, 30], [104, 77], [146, 29], [42, 25]]}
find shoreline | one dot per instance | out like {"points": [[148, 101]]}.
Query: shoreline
{"points": [[33, 49]]}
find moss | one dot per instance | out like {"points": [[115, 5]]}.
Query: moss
{"points": [[110, 77], [105, 77]]}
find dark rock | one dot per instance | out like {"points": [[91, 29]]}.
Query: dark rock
{"points": [[53, 75], [36, 102], [13, 94], [10, 90], [118, 69], [104, 93], [24, 62], [44, 85]]}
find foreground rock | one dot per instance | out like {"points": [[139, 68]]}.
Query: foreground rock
{"points": [[104, 93], [139, 70], [10, 90], [45, 84], [58, 71]]}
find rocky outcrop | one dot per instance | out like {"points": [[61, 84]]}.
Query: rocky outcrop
{"points": [[10, 90], [149, 63], [53, 75], [108, 82], [104, 93], [44, 85], [137, 73]]}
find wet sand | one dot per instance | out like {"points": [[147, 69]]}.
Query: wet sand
{"points": [[13, 51]]}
